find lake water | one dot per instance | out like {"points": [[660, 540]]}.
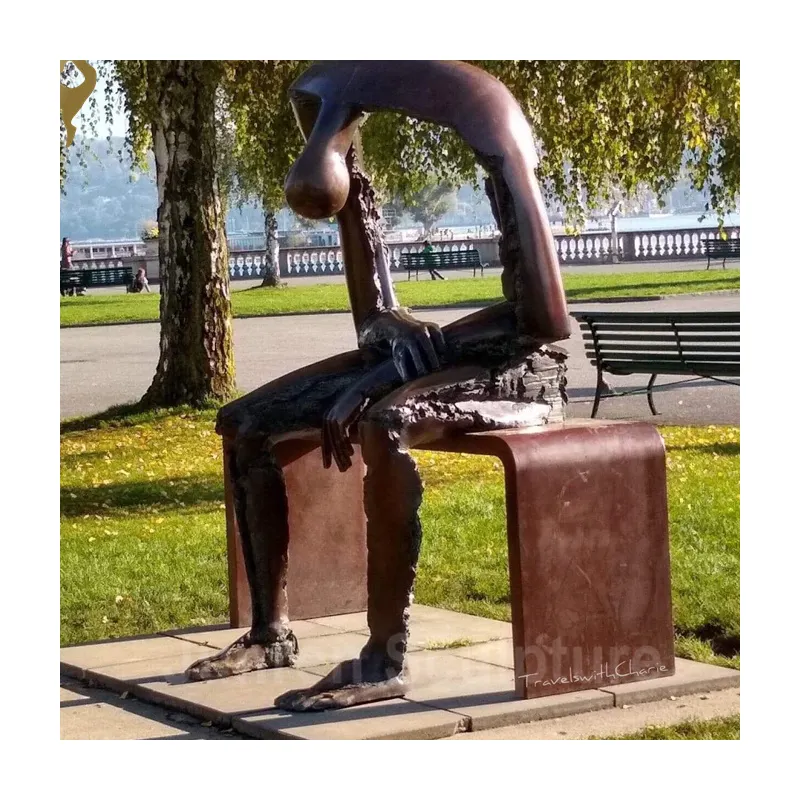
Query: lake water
{"points": [[672, 222]]}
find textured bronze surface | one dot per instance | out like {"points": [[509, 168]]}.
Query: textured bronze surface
{"points": [[588, 552], [411, 384], [327, 571]]}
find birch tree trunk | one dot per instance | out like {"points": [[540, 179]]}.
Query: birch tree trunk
{"points": [[196, 349], [272, 269]]}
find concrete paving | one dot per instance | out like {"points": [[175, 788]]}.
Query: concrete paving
{"points": [[620, 720], [89, 712], [456, 689], [109, 365]]}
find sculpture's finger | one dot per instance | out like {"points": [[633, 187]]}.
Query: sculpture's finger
{"points": [[437, 337], [428, 348], [398, 356], [327, 450], [340, 452], [416, 357]]}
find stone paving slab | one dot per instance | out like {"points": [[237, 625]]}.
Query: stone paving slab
{"points": [[220, 636], [499, 652], [455, 690], [438, 626], [124, 651], [390, 719], [349, 623], [93, 713], [690, 677], [221, 701], [83, 718], [483, 692], [618, 721]]}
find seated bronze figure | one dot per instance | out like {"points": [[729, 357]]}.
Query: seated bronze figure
{"points": [[409, 381]]}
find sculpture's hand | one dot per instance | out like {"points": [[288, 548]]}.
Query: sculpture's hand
{"points": [[347, 410], [336, 427], [416, 347]]}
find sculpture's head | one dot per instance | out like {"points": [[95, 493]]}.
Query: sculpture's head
{"points": [[319, 182], [330, 99]]}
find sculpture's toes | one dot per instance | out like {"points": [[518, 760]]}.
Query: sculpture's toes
{"points": [[245, 656], [321, 699]]}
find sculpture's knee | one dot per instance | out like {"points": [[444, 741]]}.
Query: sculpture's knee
{"points": [[378, 438], [231, 419]]}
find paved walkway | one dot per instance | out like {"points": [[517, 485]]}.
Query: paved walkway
{"points": [[93, 713], [466, 686], [109, 365]]}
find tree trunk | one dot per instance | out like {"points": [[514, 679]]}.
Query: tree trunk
{"points": [[272, 269], [196, 362]]}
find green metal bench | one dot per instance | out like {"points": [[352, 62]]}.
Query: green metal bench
{"points": [[75, 279], [721, 248], [454, 259], [702, 344]]}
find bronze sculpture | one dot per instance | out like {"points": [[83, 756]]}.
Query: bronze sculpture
{"points": [[409, 381]]}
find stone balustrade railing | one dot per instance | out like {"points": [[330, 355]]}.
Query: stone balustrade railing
{"points": [[586, 248], [661, 245], [128, 261]]}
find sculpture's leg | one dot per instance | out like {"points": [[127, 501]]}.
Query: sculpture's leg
{"points": [[469, 397], [392, 493], [262, 515], [292, 405]]}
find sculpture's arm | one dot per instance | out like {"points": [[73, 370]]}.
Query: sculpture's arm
{"points": [[489, 327], [325, 180], [489, 119]]}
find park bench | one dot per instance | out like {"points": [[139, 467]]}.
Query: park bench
{"points": [[454, 259], [74, 279], [702, 344], [721, 248]]}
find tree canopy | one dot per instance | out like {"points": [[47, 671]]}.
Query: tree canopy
{"points": [[600, 126]]}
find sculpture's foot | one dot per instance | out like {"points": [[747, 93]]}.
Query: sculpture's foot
{"points": [[352, 683], [246, 655]]}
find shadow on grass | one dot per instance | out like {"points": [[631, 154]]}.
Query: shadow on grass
{"points": [[147, 496], [130, 414], [717, 448], [720, 638]]}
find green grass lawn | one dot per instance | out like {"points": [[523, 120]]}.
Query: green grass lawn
{"points": [[143, 531], [719, 728], [107, 309]]}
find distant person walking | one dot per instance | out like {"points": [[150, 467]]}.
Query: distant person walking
{"points": [[70, 281], [66, 254], [427, 251]]}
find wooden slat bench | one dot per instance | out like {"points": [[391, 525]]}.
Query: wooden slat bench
{"points": [[455, 259], [697, 343], [721, 248]]}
